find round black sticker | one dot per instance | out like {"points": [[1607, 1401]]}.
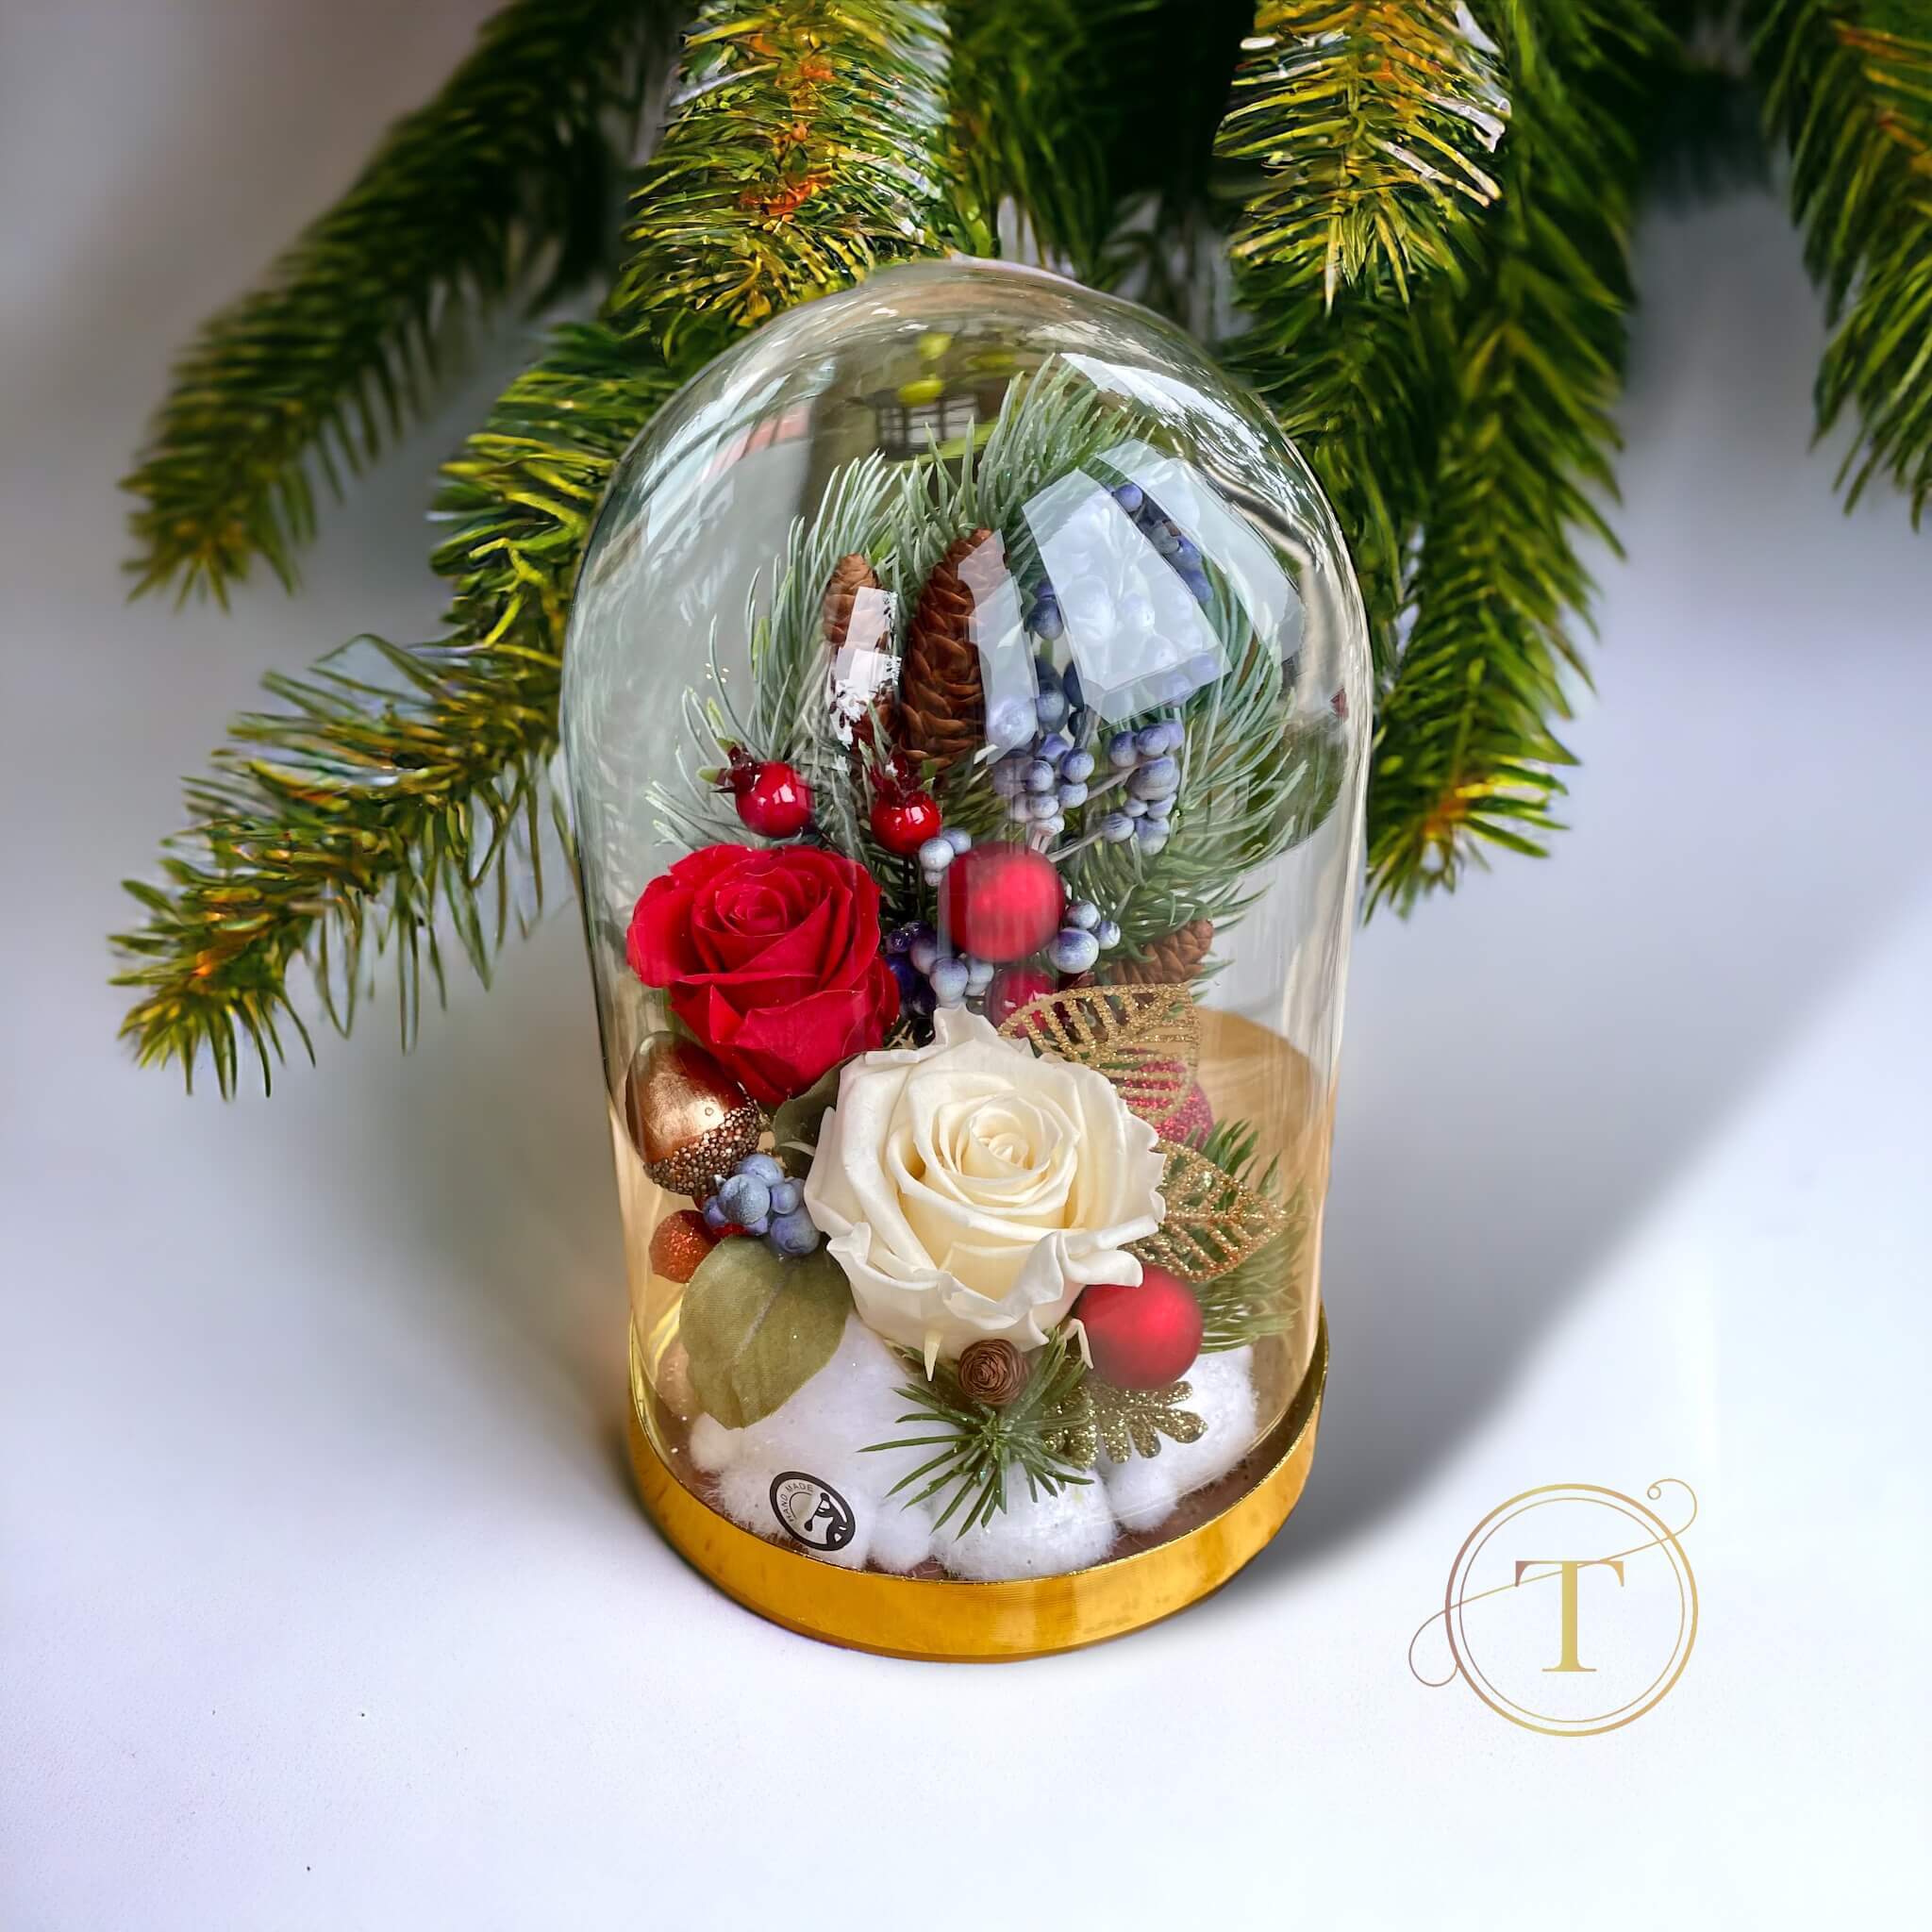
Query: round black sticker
{"points": [[811, 1512]]}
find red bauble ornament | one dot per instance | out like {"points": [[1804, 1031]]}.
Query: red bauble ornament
{"points": [[772, 800], [1002, 902], [1192, 1120], [904, 825], [1014, 987], [679, 1243], [1145, 1337]]}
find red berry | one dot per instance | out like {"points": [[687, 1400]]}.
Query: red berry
{"points": [[679, 1243], [772, 800], [1014, 987], [1144, 1336], [1002, 902], [904, 825]]}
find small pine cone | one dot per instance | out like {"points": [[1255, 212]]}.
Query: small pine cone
{"points": [[992, 1373], [850, 576], [942, 703], [1172, 961]]}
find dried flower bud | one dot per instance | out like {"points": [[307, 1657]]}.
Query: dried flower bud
{"points": [[992, 1373]]}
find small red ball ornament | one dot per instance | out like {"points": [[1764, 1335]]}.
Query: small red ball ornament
{"points": [[1002, 902], [1014, 987], [679, 1243], [1144, 1336], [772, 800], [904, 825]]}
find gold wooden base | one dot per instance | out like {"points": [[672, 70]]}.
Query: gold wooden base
{"points": [[982, 1622]]}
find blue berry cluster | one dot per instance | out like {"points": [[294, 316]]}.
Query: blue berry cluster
{"points": [[1078, 945], [1143, 764], [1166, 539], [758, 1196], [939, 853], [1042, 784], [929, 978]]}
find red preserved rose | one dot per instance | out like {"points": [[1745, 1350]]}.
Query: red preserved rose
{"points": [[772, 958]]}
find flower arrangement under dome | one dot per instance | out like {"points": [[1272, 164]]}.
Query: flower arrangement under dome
{"points": [[962, 1239]]}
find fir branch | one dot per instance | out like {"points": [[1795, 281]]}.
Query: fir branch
{"points": [[1046, 1432], [378, 829], [1040, 106], [1257, 1297], [1374, 120], [396, 784], [1852, 98], [807, 150], [1260, 1294], [511, 171], [1359, 390], [1465, 756]]}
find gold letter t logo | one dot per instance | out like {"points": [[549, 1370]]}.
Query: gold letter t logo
{"points": [[1570, 1567]]}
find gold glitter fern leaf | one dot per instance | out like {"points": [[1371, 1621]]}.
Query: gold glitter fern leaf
{"points": [[1213, 1222], [1146, 1039]]}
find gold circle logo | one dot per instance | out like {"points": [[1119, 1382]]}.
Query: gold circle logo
{"points": [[1570, 1610]]}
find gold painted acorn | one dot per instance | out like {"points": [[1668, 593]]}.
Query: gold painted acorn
{"points": [[690, 1120]]}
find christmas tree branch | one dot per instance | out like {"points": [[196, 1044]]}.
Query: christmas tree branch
{"points": [[1374, 120], [371, 803], [1465, 756], [511, 171], [1044, 93], [1850, 91]]}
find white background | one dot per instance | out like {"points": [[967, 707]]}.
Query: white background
{"points": [[324, 1598]]}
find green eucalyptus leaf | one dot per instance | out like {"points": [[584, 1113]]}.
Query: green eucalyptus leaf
{"points": [[795, 1125], [758, 1327]]}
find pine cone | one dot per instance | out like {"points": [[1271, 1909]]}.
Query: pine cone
{"points": [[992, 1373], [942, 703], [1171, 961], [850, 576]]}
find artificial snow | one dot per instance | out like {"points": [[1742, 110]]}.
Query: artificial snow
{"points": [[823, 1429], [1033, 1536], [1144, 1490]]}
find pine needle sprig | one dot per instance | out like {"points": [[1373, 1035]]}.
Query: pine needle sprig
{"points": [[1261, 1295], [500, 183], [1853, 100], [369, 808], [1359, 390], [807, 150], [1374, 120], [1465, 756], [1040, 103], [1046, 1433]]}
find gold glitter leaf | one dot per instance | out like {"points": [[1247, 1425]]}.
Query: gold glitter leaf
{"points": [[1071, 1432], [1146, 1039], [1131, 1421], [1213, 1222]]}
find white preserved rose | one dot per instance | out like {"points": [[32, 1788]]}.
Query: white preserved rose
{"points": [[972, 1188]]}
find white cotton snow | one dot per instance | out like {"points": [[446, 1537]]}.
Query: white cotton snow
{"points": [[1144, 1490], [854, 1399], [821, 1431], [1033, 1536]]}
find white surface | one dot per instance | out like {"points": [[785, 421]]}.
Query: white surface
{"points": [[324, 1599]]}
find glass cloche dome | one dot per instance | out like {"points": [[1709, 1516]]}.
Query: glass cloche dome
{"points": [[965, 710]]}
